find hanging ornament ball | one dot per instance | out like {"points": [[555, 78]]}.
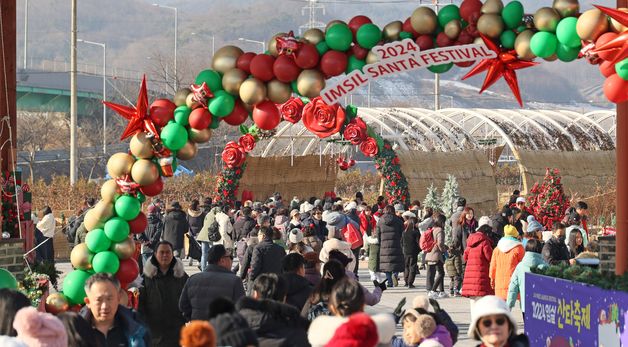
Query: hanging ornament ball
{"points": [[333, 63], [470, 10], [162, 111], [96, 241], [232, 80], [522, 45], [266, 115], [110, 191], [453, 29], [200, 119], [81, 257], [119, 165], [339, 37], [106, 261], [314, 35], [128, 271], [546, 19], [144, 172], [512, 14], [98, 215], [617, 26], [262, 67], [368, 35], [244, 62], [566, 8], [225, 59], [307, 57], [566, 32], [153, 189], [140, 146], [127, 207], [286, 69], [392, 31], [492, 7], [124, 249], [188, 151], [491, 25], [592, 24], [447, 14], [252, 91], [117, 229], [616, 89], [173, 136], [74, 286], [272, 44], [57, 303], [221, 104], [543, 44], [139, 224], [181, 95], [424, 20], [310, 83], [279, 92], [200, 136], [211, 78]]}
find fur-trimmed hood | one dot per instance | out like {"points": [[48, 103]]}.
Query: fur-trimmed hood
{"points": [[151, 268], [268, 314], [194, 213], [507, 243], [323, 328]]}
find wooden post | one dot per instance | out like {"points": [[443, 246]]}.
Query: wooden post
{"points": [[8, 148], [621, 150]]}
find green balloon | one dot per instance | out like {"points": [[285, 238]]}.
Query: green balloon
{"points": [[221, 104], [442, 68], [174, 136], [508, 38], [7, 280], [339, 37], [215, 123], [622, 69], [368, 35], [127, 207], [106, 261], [322, 47], [355, 64], [74, 286], [97, 241], [181, 115], [567, 54], [566, 32], [405, 35], [117, 229], [141, 197], [447, 14], [512, 14], [521, 28], [294, 87], [543, 44], [211, 77]]}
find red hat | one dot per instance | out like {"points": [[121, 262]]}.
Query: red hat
{"points": [[358, 331]]}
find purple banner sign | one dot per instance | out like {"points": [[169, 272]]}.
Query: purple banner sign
{"points": [[562, 313]]}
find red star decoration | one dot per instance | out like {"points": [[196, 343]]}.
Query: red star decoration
{"points": [[504, 65], [288, 44], [139, 119], [201, 93], [620, 43]]}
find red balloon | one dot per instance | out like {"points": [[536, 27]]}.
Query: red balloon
{"points": [[425, 42], [359, 52], [465, 38], [238, 115], [200, 118], [262, 67], [407, 27], [154, 188], [128, 271], [465, 63], [307, 56], [607, 68], [443, 40], [470, 10], [334, 63], [604, 39], [162, 111], [286, 69], [266, 115], [616, 89], [139, 224], [244, 62], [356, 22], [472, 30]]}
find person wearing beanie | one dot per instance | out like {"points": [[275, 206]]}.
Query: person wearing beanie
{"points": [[198, 333], [358, 331], [233, 330], [534, 230], [38, 329], [508, 253], [296, 244], [532, 258], [316, 224], [494, 325]]}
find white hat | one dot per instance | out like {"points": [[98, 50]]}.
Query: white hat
{"points": [[296, 235], [520, 199], [351, 206], [408, 214], [487, 306], [484, 220]]}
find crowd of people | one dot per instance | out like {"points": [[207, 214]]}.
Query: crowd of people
{"points": [[279, 273]]}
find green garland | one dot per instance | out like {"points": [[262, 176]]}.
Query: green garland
{"points": [[395, 182], [587, 275], [227, 185]]}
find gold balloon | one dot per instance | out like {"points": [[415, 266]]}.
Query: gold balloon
{"points": [[551, 58], [310, 83], [120, 165], [252, 91], [144, 172], [225, 58], [124, 249], [616, 26], [452, 29], [392, 31], [98, 215], [314, 35], [232, 80], [591, 24], [181, 96], [109, 191], [491, 25], [141, 147], [279, 92], [188, 151], [546, 19], [478, 41], [272, 44], [333, 22], [371, 58], [492, 7], [81, 257], [57, 303], [522, 45], [200, 136], [567, 8], [189, 101], [424, 20]]}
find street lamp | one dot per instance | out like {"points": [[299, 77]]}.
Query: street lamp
{"points": [[104, 90], [254, 41], [176, 17]]}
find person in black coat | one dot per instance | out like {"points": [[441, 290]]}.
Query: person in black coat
{"points": [[196, 216], [267, 255], [244, 224], [555, 250], [388, 232], [175, 226], [275, 323], [298, 287], [410, 245]]}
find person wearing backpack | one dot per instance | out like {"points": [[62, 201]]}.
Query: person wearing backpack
{"points": [[210, 232], [434, 258]]}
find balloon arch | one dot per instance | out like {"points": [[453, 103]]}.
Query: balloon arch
{"points": [[288, 82]]}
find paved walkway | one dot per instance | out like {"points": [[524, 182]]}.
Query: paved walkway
{"points": [[458, 308]]}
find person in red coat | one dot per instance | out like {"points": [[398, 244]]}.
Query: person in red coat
{"points": [[477, 256]]}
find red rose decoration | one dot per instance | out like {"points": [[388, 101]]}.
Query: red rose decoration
{"points": [[369, 147], [322, 119], [355, 131], [233, 155], [247, 142], [291, 110]]}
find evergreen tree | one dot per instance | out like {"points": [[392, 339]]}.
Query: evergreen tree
{"points": [[548, 201], [431, 199], [448, 204]]}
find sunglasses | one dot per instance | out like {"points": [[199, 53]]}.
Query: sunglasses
{"points": [[487, 323]]}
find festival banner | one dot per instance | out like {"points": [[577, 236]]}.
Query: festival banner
{"points": [[561, 313]]}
